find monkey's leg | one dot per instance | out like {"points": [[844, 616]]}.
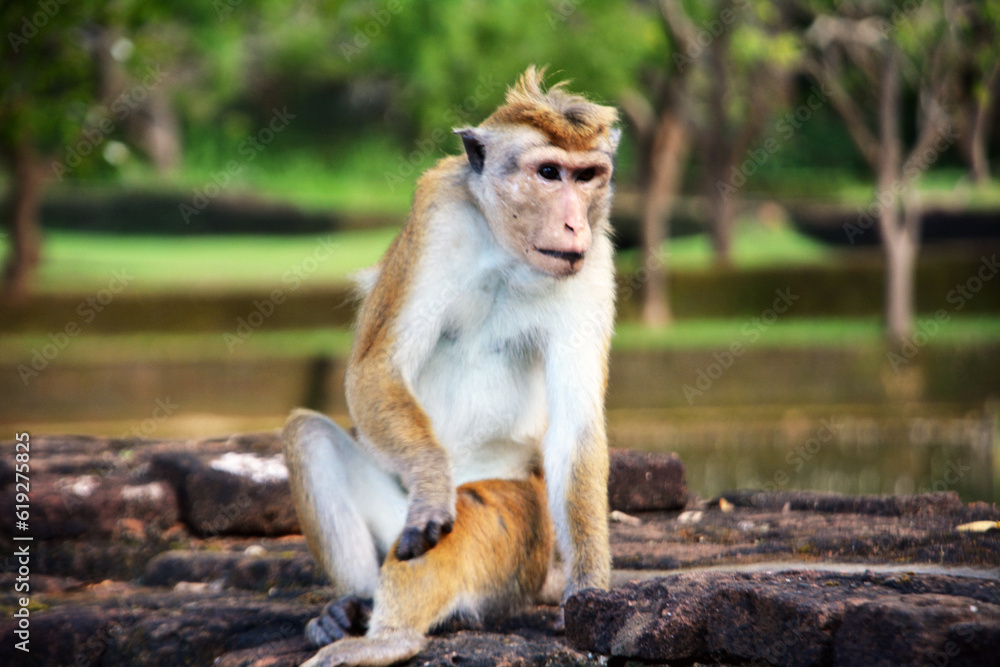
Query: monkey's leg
{"points": [[494, 560], [349, 509]]}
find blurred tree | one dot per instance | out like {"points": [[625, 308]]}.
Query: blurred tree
{"points": [[742, 57], [978, 26], [864, 53], [453, 59], [48, 80], [722, 69], [78, 74]]}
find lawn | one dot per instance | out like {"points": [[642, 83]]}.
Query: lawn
{"points": [[684, 335], [76, 262], [82, 262]]}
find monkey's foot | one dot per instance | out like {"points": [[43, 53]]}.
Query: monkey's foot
{"points": [[380, 650], [341, 618]]}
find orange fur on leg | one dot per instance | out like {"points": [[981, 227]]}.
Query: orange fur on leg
{"points": [[496, 558]]}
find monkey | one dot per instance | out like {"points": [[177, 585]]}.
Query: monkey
{"points": [[476, 470]]}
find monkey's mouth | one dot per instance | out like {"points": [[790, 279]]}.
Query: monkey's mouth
{"points": [[571, 257]]}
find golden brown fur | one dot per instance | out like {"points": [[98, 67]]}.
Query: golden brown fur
{"points": [[570, 122]]}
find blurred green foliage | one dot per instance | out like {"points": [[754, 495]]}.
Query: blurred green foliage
{"points": [[378, 85]]}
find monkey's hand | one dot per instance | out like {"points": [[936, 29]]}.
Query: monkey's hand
{"points": [[425, 525], [347, 616]]}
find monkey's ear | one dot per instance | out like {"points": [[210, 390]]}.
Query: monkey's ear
{"points": [[474, 148], [615, 136]]}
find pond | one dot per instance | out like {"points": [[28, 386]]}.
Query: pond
{"points": [[853, 452]]}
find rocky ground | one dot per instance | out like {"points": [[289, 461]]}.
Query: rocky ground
{"points": [[188, 552]]}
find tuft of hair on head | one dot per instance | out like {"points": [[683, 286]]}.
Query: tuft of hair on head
{"points": [[571, 122]]}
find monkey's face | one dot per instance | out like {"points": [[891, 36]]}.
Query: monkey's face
{"points": [[544, 204]]}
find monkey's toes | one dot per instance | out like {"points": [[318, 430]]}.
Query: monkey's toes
{"points": [[340, 618]]}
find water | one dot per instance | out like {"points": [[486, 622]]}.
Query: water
{"points": [[852, 452]]}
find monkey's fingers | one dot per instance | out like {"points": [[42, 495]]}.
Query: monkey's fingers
{"points": [[416, 542]]}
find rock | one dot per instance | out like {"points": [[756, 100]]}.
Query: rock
{"points": [[172, 567], [474, 649], [943, 502], [95, 506], [198, 632], [216, 501], [920, 630], [288, 653], [792, 624], [77, 635], [282, 571], [235, 569], [490, 649], [790, 618], [661, 619], [111, 509], [524, 640], [645, 481]]}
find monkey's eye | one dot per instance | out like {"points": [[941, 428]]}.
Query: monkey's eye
{"points": [[549, 172], [586, 175]]}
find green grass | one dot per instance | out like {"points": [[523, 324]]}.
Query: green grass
{"points": [[941, 187], [629, 336], [755, 245], [78, 262], [359, 176], [793, 332], [184, 347], [81, 263]]}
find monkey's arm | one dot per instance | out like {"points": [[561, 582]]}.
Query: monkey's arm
{"points": [[576, 461], [400, 433], [390, 342]]}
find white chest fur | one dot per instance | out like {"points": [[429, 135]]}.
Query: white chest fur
{"points": [[476, 346], [482, 382]]}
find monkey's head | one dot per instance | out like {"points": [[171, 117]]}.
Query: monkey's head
{"points": [[540, 172]]}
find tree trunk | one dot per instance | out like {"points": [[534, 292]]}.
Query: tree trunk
{"points": [[666, 161], [899, 226], [21, 213], [979, 135], [723, 216], [900, 265]]}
